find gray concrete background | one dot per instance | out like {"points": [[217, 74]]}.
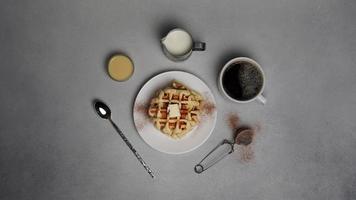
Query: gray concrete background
{"points": [[52, 56]]}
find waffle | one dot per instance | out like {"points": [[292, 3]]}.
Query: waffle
{"points": [[178, 96]]}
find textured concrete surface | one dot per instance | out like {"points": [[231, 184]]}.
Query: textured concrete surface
{"points": [[52, 56]]}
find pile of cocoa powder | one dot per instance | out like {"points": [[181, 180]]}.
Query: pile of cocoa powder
{"points": [[246, 152]]}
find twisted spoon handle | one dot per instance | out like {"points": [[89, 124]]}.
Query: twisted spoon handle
{"points": [[139, 158]]}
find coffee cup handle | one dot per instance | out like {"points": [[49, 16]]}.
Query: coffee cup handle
{"points": [[261, 99], [198, 46]]}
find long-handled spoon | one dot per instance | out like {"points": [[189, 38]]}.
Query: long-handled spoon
{"points": [[104, 112]]}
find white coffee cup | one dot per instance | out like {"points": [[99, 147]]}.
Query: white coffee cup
{"points": [[258, 96]]}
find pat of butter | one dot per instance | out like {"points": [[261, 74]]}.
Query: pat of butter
{"points": [[173, 110]]}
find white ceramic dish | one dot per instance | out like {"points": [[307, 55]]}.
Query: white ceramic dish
{"points": [[157, 139]]}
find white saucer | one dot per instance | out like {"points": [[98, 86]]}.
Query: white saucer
{"points": [[155, 138]]}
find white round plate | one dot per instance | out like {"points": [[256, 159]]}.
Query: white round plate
{"points": [[154, 137]]}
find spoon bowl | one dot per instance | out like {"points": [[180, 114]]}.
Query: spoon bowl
{"points": [[102, 110]]}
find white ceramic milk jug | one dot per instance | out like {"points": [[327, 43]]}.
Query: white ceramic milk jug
{"points": [[178, 45]]}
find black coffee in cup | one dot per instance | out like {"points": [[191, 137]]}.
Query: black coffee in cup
{"points": [[242, 81]]}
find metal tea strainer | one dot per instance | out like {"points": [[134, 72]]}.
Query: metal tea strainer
{"points": [[224, 148]]}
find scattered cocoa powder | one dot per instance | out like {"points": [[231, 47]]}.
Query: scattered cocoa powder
{"points": [[257, 127], [246, 153], [208, 108], [142, 110], [244, 137], [233, 120], [208, 111], [140, 125]]}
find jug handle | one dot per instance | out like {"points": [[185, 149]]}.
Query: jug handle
{"points": [[199, 46]]}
